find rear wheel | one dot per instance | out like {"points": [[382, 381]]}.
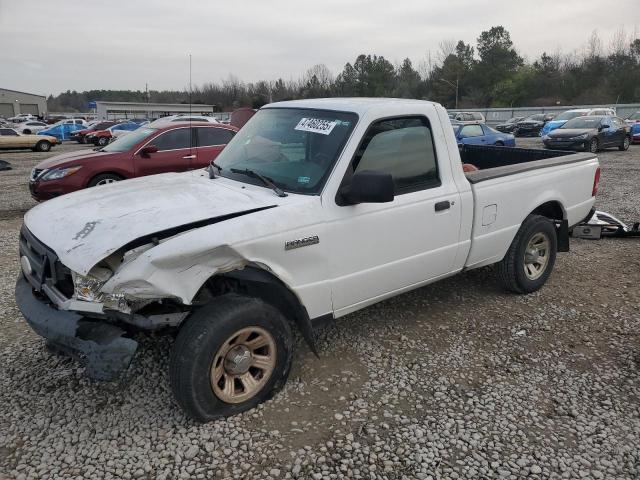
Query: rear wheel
{"points": [[104, 179], [230, 356], [43, 146], [594, 145], [531, 256], [625, 144]]}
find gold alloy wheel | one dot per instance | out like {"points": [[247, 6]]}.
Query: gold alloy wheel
{"points": [[243, 365], [536, 256]]}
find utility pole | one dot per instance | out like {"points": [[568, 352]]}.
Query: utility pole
{"points": [[453, 85]]}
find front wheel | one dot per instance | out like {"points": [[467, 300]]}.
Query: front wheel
{"points": [[102, 141], [104, 179], [531, 256], [594, 145], [230, 356], [625, 144]]}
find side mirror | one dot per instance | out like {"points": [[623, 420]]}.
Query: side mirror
{"points": [[368, 187], [149, 149]]}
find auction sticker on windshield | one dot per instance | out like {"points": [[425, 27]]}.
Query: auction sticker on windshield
{"points": [[316, 125]]}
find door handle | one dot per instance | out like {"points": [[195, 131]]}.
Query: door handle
{"points": [[187, 157], [444, 205]]}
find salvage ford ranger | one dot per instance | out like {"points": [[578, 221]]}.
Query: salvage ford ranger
{"points": [[315, 209]]}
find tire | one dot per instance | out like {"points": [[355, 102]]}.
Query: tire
{"points": [[517, 275], [27, 132], [103, 141], [104, 179], [625, 144], [43, 146], [499, 144], [594, 145], [200, 345]]}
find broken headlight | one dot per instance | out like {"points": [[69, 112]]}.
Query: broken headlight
{"points": [[87, 288]]}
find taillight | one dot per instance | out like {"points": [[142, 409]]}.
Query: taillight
{"points": [[596, 183]]}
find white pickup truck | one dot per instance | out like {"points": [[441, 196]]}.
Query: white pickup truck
{"points": [[317, 208]]}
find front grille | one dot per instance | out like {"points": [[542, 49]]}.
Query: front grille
{"points": [[46, 269]]}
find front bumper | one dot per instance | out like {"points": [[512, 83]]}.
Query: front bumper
{"points": [[567, 145], [99, 345]]}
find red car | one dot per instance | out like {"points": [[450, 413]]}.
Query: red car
{"points": [[175, 147], [79, 135]]}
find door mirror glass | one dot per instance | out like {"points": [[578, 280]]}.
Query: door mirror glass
{"points": [[368, 187], [149, 149]]}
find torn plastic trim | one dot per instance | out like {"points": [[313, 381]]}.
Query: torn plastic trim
{"points": [[170, 232]]}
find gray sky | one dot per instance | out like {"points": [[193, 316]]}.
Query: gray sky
{"points": [[53, 45]]}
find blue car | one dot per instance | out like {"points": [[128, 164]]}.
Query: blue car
{"points": [[481, 134], [62, 131]]}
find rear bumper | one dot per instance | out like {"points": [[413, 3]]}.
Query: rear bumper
{"points": [[99, 345]]}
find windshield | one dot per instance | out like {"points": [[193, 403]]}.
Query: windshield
{"points": [[583, 122], [295, 148], [569, 115], [122, 144]]}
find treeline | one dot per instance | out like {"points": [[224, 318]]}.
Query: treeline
{"points": [[491, 73]]}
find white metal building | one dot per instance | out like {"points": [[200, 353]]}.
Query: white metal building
{"points": [[13, 103], [112, 110]]}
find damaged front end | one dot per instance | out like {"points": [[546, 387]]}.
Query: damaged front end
{"points": [[74, 314]]}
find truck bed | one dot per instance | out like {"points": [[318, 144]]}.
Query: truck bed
{"points": [[495, 162]]}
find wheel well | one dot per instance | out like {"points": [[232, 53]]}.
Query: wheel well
{"points": [[258, 283], [120, 176], [552, 210]]}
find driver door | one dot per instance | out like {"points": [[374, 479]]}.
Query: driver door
{"points": [[176, 153], [379, 249]]}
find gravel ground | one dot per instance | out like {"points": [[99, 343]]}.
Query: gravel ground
{"points": [[454, 380]]}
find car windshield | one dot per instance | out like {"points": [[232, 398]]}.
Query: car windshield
{"points": [[583, 122], [295, 148], [122, 144], [569, 115]]}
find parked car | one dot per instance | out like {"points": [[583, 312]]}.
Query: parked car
{"points": [[80, 135], [479, 134], [31, 126], [173, 148], [103, 137], [303, 219], [510, 125], [11, 139], [62, 131], [590, 133], [635, 133], [564, 117], [633, 118], [121, 132], [532, 125], [22, 117], [469, 117]]}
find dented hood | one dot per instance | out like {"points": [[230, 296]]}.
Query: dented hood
{"points": [[85, 227]]}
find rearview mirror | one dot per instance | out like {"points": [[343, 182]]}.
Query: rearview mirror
{"points": [[149, 149], [367, 187]]}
